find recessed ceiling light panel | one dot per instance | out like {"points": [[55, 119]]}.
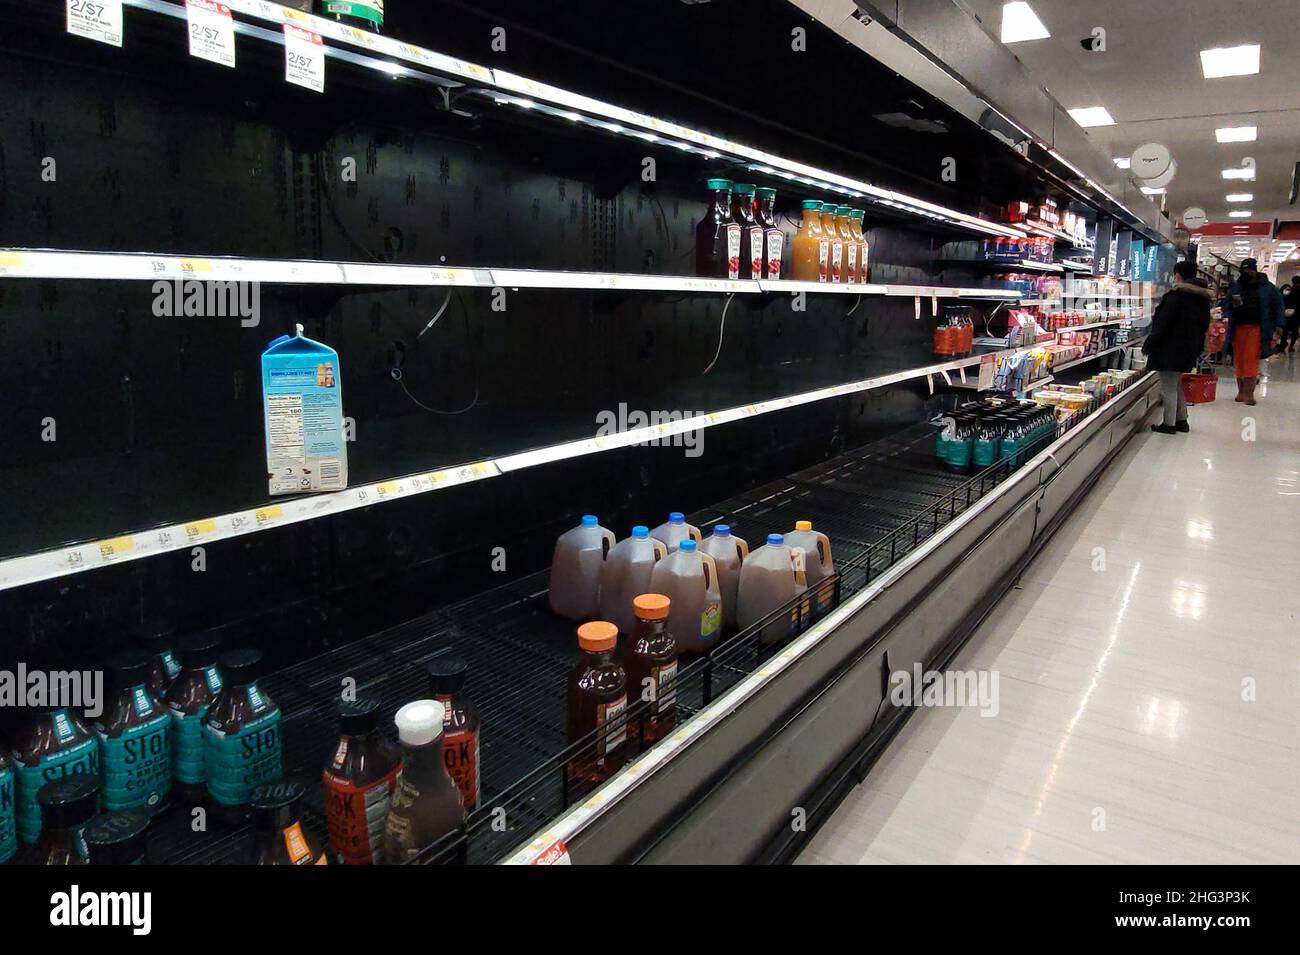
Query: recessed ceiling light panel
{"points": [[1019, 23], [1230, 61], [1087, 116], [1236, 134]]}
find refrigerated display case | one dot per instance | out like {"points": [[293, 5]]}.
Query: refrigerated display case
{"points": [[497, 280]]}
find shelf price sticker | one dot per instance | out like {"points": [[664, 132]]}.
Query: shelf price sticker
{"points": [[268, 515], [304, 58], [99, 20], [212, 31], [199, 528], [112, 549]]}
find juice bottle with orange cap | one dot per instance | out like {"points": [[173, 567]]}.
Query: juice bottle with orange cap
{"points": [[810, 254], [843, 224], [751, 232], [857, 217], [598, 704], [650, 662], [832, 231]]}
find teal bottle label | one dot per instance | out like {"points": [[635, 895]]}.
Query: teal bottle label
{"points": [[171, 665], [137, 763], [986, 452], [959, 453], [8, 832], [1008, 449], [28, 780], [187, 736], [238, 762]]}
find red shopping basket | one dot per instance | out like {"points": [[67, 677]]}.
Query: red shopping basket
{"points": [[1199, 389]]}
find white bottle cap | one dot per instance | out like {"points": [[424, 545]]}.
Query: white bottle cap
{"points": [[419, 723]]}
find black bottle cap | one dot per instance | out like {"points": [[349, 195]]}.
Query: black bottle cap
{"points": [[241, 667], [198, 649], [116, 838], [358, 718], [68, 802], [130, 668], [446, 675], [277, 805]]}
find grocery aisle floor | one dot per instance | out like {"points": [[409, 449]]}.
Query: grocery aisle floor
{"points": [[1122, 734]]}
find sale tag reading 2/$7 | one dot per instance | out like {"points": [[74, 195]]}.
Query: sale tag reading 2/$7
{"points": [[96, 20], [212, 31], [304, 58]]}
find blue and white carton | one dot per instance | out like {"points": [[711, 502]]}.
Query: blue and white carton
{"points": [[302, 403]]}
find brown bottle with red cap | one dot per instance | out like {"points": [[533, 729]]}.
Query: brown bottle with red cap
{"points": [[650, 662], [598, 704]]}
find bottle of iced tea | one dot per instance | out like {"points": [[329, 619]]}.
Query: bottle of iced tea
{"points": [[426, 804], [460, 726], [650, 664], [598, 704], [358, 783]]}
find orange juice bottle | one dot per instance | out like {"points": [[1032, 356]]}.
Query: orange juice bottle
{"points": [[851, 248], [810, 250], [837, 244], [864, 248]]}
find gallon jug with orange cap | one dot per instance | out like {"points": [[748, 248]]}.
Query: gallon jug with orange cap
{"points": [[690, 580], [727, 551], [818, 565], [769, 579], [626, 573], [675, 530], [650, 662], [598, 703], [575, 569]]}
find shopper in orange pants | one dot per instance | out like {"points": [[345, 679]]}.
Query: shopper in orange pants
{"points": [[1254, 308]]}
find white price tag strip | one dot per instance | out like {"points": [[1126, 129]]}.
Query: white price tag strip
{"points": [[212, 31], [304, 58], [99, 20]]}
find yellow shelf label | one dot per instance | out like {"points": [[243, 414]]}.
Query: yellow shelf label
{"points": [[196, 265], [265, 515], [389, 487], [10, 260], [200, 527], [118, 545]]}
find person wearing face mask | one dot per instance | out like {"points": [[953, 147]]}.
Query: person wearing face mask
{"points": [[1254, 309], [1292, 333]]}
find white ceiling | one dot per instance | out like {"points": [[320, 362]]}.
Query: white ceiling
{"points": [[1150, 80]]}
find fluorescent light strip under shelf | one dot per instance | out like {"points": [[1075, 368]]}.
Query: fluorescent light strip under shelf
{"points": [[153, 267], [522, 91], [95, 554]]}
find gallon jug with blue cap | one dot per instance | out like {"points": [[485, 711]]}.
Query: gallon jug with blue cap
{"points": [[690, 580], [626, 575], [728, 552], [575, 569], [302, 404], [675, 531], [770, 577]]}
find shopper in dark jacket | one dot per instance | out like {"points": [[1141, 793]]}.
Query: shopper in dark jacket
{"points": [[1176, 339], [1253, 309], [1292, 315]]}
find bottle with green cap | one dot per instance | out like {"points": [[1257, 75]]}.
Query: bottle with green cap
{"points": [[832, 230], [751, 233], [773, 237], [810, 250], [843, 224], [718, 236], [857, 216]]}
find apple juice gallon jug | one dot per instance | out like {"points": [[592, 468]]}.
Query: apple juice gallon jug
{"points": [[358, 783], [460, 726], [116, 838], [626, 573], [426, 804], [818, 564], [54, 743], [135, 749], [188, 699], [675, 530], [650, 665], [241, 736], [728, 552], [66, 805], [717, 237], [597, 703], [575, 569], [278, 834], [690, 580], [770, 578]]}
